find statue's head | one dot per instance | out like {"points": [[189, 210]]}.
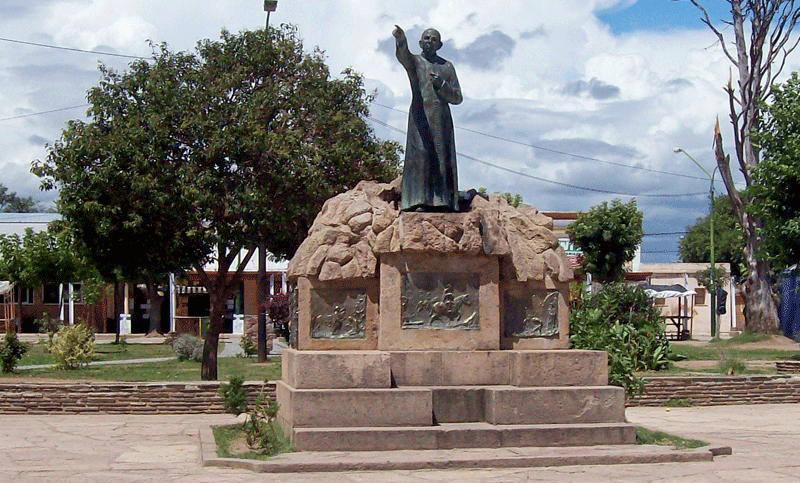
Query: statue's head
{"points": [[431, 41]]}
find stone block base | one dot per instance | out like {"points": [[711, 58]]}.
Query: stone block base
{"points": [[546, 368], [331, 408], [376, 400], [554, 405], [336, 369]]}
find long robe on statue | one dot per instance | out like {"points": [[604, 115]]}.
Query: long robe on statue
{"points": [[430, 178]]}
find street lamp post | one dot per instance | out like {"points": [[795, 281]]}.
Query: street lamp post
{"points": [[270, 6], [711, 240], [261, 292]]}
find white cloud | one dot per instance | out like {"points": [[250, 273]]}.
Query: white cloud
{"points": [[559, 78]]}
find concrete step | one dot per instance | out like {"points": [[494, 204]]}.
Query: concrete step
{"points": [[462, 435]]}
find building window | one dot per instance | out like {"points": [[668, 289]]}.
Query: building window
{"points": [[659, 302], [77, 293], [50, 294], [25, 295], [700, 298]]}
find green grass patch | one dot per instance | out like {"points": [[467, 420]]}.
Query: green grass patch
{"points": [[37, 353], [660, 438], [231, 442], [731, 365], [743, 338], [713, 352], [710, 371], [162, 371]]}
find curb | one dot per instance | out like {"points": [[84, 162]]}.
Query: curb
{"points": [[329, 462]]}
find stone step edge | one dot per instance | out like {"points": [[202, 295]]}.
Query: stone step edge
{"points": [[409, 460], [475, 435]]}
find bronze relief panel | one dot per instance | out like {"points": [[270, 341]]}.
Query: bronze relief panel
{"points": [[440, 301], [338, 314], [531, 314]]}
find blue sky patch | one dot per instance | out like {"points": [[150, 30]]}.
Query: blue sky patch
{"points": [[661, 15]]}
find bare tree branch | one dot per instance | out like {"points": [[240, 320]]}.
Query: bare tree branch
{"points": [[724, 164], [707, 20]]}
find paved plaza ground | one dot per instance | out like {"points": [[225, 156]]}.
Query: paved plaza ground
{"points": [[121, 449]]}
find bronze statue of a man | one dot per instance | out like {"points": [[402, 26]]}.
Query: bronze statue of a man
{"points": [[430, 178]]}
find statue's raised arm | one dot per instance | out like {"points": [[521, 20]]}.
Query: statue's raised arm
{"points": [[430, 177]]}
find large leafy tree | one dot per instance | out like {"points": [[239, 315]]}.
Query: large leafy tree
{"points": [[695, 246], [776, 178], [255, 135], [608, 235], [121, 196], [762, 39]]}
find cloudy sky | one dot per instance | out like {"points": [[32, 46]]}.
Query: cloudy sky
{"points": [[568, 103]]}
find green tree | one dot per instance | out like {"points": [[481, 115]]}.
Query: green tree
{"points": [[608, 235], [695, 246], [257, 136], [763, 37], [10, 202], [121, 192], [776, 178], [38, 258]]}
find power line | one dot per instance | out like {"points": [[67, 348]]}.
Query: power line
{"points": [[666, 233], [71, 49], [43, 112], [545, 180], [563, 153]]}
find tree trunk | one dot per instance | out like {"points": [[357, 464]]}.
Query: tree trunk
{"points": [[218, 291], [155, 300], [211, 345], [761, 314]]}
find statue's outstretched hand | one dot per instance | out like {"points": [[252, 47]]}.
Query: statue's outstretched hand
{"points": [[398, 33]]}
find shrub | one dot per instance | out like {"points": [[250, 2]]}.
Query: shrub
{"points": [[234, 396], [279, 310], [621, 320], [259, 428], [729, 364], [11, 351], [72, 346], [188, 348], [48, 325], [248, 345]]}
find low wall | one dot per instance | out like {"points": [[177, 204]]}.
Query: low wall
{"points": [[203, 397], [116, 397], [719, 390]]}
